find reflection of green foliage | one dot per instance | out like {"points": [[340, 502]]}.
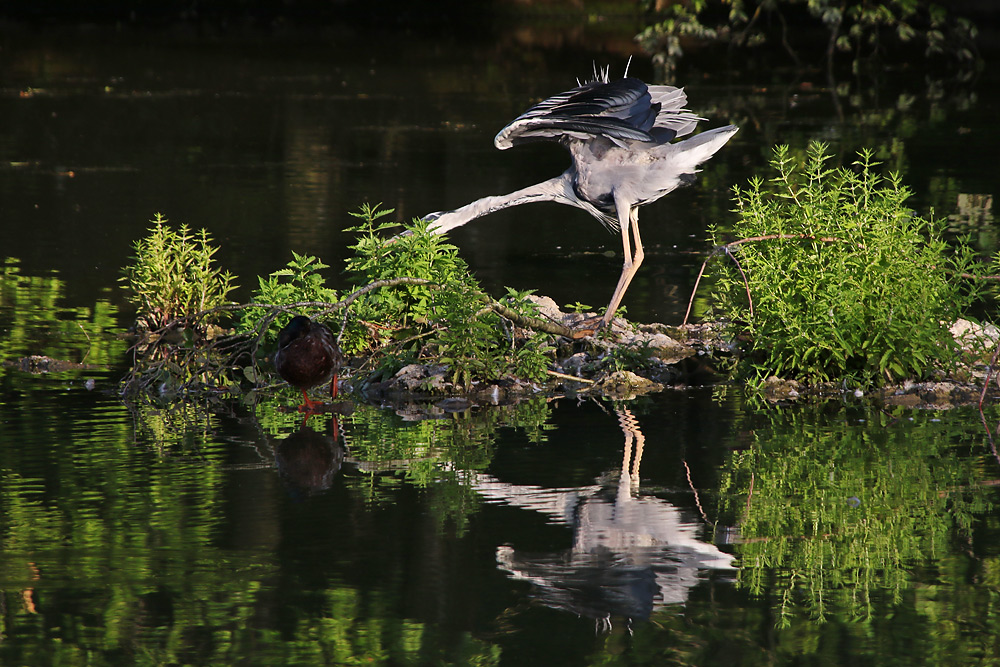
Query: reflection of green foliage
{"points": [[97, 517], [35, 323], [345, 632], [857, 287], [111, 549], [173, 275], [833, 517], [431, 454]]}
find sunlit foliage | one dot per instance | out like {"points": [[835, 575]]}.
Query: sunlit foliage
{"points": [[173, 275], [845, 282]]}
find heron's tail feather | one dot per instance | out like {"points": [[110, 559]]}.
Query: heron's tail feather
{"points": [[699, 148]]}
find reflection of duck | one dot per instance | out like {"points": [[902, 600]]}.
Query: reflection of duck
{"points": [[309, 461], [630, 553], [308, 357]]}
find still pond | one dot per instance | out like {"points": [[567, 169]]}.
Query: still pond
{"points": [[688, 527]]}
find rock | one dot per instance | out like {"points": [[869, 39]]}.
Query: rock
{"points": [[626, 385], [668, 350], [418, 378], [549, 310], [777, 389], [975, 338]]}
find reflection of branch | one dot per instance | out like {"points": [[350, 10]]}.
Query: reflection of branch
{"points": [[697, 500]]}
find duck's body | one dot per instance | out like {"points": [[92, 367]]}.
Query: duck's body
{"points": [[308, 357]]}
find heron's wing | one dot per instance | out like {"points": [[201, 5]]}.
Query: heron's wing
{"points": [[673, 120], [618, 110]]}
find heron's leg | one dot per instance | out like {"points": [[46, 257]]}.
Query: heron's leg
{"points": [[631, 263]]}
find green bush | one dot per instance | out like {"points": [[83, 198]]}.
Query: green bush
{"points": [[449, 320], [299, 281], [846, 282], [173, 276]]}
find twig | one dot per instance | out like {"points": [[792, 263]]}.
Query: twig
{"points": [[746, 283], [531, 322], [785, 237], [727, 250], [694, 290], [565, 376]]}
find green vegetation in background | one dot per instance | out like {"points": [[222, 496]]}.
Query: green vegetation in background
{"points": [[845, 282], [861, 28]]}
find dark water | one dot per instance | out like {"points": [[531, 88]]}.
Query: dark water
{"points": [[686, 528]]}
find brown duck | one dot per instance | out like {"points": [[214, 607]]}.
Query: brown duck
{"points": [[308, 357]]}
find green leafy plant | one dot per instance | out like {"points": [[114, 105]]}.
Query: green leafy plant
{"points": [[173, 275], [529, 354], [447, 318], [844, 281], [577, 307], [298, 282], [466, 336], [418, 254]]}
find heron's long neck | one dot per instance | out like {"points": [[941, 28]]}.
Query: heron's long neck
{"points": [[555, 189]]}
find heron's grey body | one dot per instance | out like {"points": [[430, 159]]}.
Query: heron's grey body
{"points": [[619, 136]]}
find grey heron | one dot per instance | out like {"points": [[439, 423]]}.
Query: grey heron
{"points": [[619, 136]]}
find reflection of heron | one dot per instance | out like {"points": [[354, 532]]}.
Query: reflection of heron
{"points": [[630, 553], [308, 357], [618, 134]]}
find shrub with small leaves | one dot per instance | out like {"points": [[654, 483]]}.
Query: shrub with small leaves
{"points": [[419, 254], [449, 320], [845, 282], [299, 281], [173, 275]]}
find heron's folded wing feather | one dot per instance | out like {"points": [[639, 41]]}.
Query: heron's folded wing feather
{"points": [[618, 110], [554, 128]]}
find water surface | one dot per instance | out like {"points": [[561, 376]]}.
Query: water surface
{"points": [[685, 528]]}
